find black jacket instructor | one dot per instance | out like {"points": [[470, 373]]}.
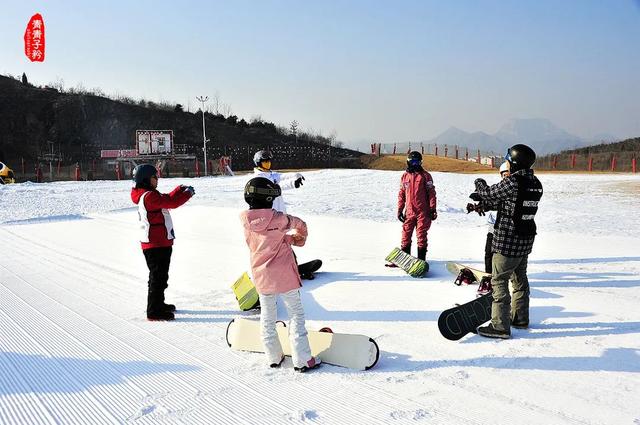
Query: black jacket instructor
{"points": [[516, 198]]}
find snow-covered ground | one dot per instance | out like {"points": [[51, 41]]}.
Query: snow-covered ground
{"points": [[75, 346]]}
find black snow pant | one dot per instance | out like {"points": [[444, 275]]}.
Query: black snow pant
{"points": [[488, 255], [158, 260]]}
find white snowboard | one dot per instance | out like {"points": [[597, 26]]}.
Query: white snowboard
{"points": [[346, 350], [454, 268]]}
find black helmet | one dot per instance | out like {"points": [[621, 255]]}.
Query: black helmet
{"points": [[142, 175], [259, 192], [414, 161], [520, 157], [260, 156]]}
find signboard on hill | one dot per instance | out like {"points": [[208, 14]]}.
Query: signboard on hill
{"points": [[154, 142]]}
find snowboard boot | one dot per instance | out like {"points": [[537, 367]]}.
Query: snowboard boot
{"points": [[520, 325], [313, 363], [160, 316], [422, 253], [276, 365], [490, 332], [169, 307]]}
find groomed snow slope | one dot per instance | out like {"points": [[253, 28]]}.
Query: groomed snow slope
{"points": [[75, 346]]}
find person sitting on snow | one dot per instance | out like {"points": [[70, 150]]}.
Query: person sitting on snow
{"points": [[262, 160]]}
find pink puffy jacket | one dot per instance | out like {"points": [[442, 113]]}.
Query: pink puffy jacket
{"points": [[273, 265]]}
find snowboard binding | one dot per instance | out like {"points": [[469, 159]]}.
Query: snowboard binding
{"points": [[465, 276], [485, 286]]}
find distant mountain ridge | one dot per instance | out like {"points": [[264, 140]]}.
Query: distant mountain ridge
{"points": [[539, 133]]}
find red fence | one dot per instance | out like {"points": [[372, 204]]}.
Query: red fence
{"points": [[614, 162]]}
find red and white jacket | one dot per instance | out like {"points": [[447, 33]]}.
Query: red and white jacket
{"points": [[156, 227]]}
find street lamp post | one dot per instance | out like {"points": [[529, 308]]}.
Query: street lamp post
{"points": [[203, 99]]}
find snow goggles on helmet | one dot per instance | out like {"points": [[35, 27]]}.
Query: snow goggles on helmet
{"points": [[508, 155], [269, 194], [414, 162]]}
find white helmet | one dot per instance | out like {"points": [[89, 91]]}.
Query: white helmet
{"points": [[260, 156]]}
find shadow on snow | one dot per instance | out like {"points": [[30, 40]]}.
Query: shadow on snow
{"points": [[612, 360], [26, 373]]}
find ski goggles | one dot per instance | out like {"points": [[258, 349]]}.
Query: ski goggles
{"points": [[508, 155], [264, 191], [414, 162]]}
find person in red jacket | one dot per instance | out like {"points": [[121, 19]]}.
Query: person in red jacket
{"points": [[416, 204], [157, 234]]}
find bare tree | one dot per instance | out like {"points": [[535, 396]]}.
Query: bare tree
{"points": [[226, 110], [333, 136], [215, 103], [58, 84]]}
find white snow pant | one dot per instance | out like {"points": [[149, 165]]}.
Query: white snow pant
{"points": [[300, 350]]}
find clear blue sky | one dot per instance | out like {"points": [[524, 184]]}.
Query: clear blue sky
{"points": [[383, 70]]}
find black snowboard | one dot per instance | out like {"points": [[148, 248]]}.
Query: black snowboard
{"points": [[458, 321], [308, 269]]}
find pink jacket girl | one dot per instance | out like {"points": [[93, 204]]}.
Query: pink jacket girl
{"points": [[269, 235]]}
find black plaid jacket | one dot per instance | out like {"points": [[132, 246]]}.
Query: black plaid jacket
{"points": [[502, 196]]}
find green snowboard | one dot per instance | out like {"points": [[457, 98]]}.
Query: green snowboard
{"points": [[410, 264]]}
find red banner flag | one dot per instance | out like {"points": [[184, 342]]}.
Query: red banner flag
{"points": [[34, 39]]}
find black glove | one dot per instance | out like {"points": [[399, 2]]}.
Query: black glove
{"points": [[475, 196], [481, 182], [190, 189], [298, 182], [433, 214], [476, 207], [401, 216]]}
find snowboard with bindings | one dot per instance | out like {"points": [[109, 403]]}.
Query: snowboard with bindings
{"points": [[307, 270], [346, 350], [410, 264], [466, 274], [458, 321], [246, 293]]}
